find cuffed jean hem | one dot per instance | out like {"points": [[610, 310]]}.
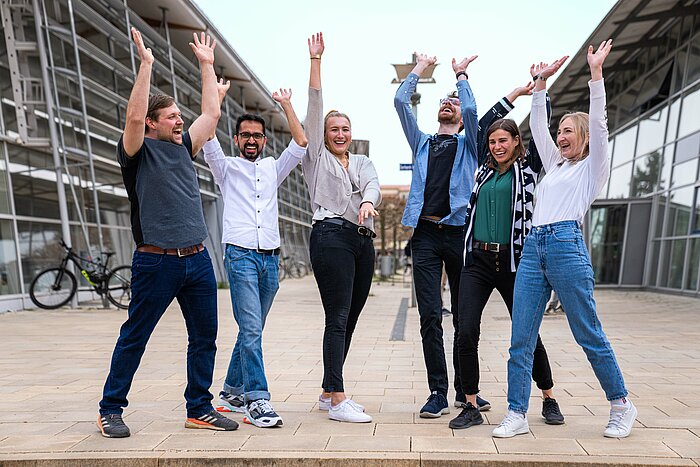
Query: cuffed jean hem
{"points": [[234, 391], [517, 410], [610, 399], [255, 395], [546, 386]]}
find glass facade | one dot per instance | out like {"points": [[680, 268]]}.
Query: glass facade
{"points": [[655, 136], [87, 92]]}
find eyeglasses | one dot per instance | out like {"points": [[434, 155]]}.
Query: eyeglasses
{"points": [[450, 100], [246, 136]]}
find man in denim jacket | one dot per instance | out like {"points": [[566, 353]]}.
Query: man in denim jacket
{"points": [[443, 176]]}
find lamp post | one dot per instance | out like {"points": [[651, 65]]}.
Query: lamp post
{"points": [[402, 71]]}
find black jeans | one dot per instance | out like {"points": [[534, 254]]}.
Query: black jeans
{"points": [[431, 246], [488, 271], [343, 263]]}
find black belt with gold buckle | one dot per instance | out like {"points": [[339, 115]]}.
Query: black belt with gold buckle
{"points": [[180, 252]]}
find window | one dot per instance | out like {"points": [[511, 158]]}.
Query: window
{"points": [[651, 132], [620, 181], [689, 114], [9, 272], [624, 146], [684, 173]]}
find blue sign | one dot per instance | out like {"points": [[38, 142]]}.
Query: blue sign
{"points": [[405, 166]]}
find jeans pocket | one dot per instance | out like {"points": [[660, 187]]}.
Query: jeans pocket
{"points": [[147, 261], [565, 234], [235, 253]]}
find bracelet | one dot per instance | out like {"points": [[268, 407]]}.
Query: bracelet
{"points": [[316, 57], [460, 73], [538, 76]]}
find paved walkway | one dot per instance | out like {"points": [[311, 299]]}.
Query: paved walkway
{"points": [[53, 365]]}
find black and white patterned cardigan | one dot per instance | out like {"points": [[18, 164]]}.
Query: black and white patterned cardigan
{"points": [[525, 177]]}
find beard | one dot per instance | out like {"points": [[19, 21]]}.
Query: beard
{"points": [[250, 156], [452, 118]]}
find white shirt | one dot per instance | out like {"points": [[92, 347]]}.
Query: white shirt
{"points": [[568, 190], [250, 194]]}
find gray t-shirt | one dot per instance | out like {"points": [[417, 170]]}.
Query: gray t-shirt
{"points": [[166, 208]]}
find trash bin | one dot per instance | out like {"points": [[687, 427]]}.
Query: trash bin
{"points": [[386, 266]]}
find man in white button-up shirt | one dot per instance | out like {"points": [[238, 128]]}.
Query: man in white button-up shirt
{"points": [[249, 184]]}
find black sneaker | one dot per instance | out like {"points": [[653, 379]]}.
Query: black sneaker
{"points": [[469, 416], [212, 421], [482, 404], [112, 426], [435, 407], [551, 413]]}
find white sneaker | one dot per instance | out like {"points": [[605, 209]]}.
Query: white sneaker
{"points": [[621, 421], [325, 403], [348, 411], [513, 424], [261, 414]]}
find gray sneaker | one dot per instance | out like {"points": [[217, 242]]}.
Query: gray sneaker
{"points": [[112, 426], [230, 403]]}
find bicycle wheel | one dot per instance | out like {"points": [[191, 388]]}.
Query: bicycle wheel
{"points": [[52, 288], [119, 287], [298, 269], [281, 272]]}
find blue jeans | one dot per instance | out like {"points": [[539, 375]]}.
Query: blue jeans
{"points": [[555, 257], [156, 280], [253, 279]]}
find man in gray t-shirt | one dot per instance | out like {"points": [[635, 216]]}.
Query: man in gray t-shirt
{"points": [[168, 227]]}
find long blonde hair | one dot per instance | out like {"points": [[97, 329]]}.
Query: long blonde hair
{"points": [[580, 123]]}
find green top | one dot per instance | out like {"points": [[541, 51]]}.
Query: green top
{"points": [[494, 209]]}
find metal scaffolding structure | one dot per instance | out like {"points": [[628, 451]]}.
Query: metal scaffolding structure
{"points": [[66, 72]]}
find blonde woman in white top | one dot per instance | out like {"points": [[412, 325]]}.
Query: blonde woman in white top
{"points": [[555, 255]]}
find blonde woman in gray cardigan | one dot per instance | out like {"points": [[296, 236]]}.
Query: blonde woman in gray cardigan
{"points": [[344, 192]]}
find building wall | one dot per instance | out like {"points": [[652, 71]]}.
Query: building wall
{"points": [[655, 153], [98, 79]]}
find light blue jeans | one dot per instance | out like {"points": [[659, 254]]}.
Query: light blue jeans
{"points": [[253, 281], [555, 257]]}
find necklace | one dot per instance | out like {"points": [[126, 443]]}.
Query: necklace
{"points": [[345, 162]]}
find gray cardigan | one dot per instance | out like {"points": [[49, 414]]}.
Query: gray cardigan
{"points": [[330, 185]]}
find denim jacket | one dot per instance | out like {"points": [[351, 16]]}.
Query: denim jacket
{"points": [[465, 164]]}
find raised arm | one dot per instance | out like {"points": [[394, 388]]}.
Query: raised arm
{"points": [[598, 132], [205, 125], [402, 100], [499, 110], [548, 152], [291, 156], [284, 97], [314, 113], [137, 108], [467, 103]]}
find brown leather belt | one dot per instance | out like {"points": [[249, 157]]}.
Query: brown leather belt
{"points": [[494, 247], [186, 251]]}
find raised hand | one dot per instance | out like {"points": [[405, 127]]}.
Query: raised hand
{"points": [[524, 90], [316, 46], [203, 48], [462, 66], [425, 59], [222, 88], [596, 59], [545, 70], [145, 53], [283, 96]]}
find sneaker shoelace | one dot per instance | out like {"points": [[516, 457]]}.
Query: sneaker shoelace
{"points": [[616, 416], [261, 406], [511, 418], [355, 405], [550, 406]]}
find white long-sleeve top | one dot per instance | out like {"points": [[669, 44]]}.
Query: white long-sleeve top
{"points": [[568, 190], [250, 194]]}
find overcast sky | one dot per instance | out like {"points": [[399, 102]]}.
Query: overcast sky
{"points": [[364, 38]]}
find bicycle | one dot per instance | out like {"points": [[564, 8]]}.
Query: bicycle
{"points": [[54, 287], [295, 269]]}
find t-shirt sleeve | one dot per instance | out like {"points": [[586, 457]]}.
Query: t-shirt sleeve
{"points": [[123, 159], [187, 142]]}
